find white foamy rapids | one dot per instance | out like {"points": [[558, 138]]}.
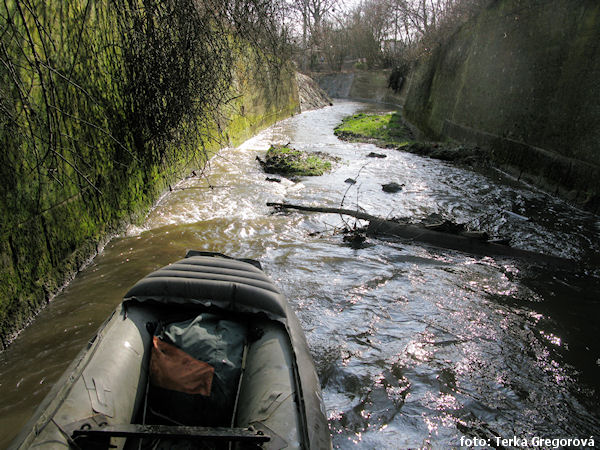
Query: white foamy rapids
{"points": [[231, 172]]}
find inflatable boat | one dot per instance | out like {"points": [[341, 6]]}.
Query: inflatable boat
{"points": [[203, 353]]}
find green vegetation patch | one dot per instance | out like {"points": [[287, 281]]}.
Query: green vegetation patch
{"points": [[288, 161], [388, 130]]}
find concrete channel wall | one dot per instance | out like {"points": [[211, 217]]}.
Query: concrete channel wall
{"points": [[39, 255], [367, 85], [524, 79]]}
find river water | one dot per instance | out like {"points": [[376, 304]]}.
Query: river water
{"points": [[415, 346]]}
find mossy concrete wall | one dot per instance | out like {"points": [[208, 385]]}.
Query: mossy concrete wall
{"points": [[266, 97], [41, 253], [523, 77]]}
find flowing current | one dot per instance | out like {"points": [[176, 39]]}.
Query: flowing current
{"points": [[415, 346]]}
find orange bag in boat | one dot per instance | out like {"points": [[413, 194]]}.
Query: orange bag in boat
{"points": [[172, 368]]}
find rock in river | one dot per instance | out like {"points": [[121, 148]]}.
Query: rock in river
{"points": [[392, 187]]}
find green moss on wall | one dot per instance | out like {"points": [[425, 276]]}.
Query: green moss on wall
{"points": [[81, 156]]}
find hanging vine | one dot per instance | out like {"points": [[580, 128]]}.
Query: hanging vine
{"points": [[100, 103]]}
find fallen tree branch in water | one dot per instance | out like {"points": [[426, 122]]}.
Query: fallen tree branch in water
{"points": [[347, 212], [467, 243]]}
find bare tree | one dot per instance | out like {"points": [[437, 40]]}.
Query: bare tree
{"points": [[415, 19], [384, 30], [335, 43], [312, 14]]}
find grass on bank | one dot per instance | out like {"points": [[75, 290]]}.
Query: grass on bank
{"points": [[390, 131], [387, 129]]}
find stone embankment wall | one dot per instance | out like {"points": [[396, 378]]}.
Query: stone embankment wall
{"points": [[524, 79]]}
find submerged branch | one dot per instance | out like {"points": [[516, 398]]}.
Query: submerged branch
{"points": [[420, 233], [347, 212]]}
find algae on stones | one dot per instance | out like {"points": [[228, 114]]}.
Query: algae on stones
{"points": [[288, 161]]}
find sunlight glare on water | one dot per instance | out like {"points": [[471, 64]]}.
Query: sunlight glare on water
{"points": [[414, 346]]}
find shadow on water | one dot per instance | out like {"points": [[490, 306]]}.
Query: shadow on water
{"points": [[415, 346]]}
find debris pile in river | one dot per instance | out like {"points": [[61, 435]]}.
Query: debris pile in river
{"points": [[451, 152], [288, 161], [355, 237]]}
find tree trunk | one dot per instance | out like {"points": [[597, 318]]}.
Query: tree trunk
{"points": [[419, 233]]}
